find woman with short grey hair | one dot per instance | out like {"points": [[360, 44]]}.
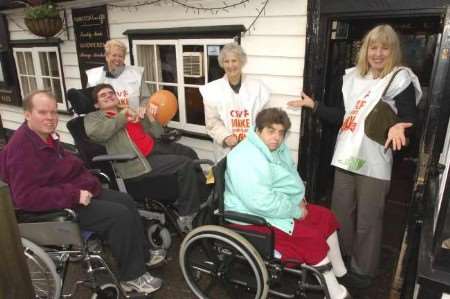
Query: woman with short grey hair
{"points": [[232, 48], [232, 102]]}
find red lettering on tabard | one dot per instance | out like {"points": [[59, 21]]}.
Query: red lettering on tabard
{"points": [[240, 122], [349, 123], [122, 95]]}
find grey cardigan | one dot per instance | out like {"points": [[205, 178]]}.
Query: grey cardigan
{"points": [[112, 133]]}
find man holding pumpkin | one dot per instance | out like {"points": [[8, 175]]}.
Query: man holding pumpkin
{"points": [[130, 131]]}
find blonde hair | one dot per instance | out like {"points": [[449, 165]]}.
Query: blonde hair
{"points": [[115, 43], [234, 48], [28, 104], [387, 36]]}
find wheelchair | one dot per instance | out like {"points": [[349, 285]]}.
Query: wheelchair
{"points": [[156, 208], [219, 259], [51, 240]]}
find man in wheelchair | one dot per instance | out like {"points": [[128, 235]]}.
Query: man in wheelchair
{"points": [[261, 179], [43, 176], [128, 131]]}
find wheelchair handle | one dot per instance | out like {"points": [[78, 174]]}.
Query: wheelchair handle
{"points": [[116, 158]]}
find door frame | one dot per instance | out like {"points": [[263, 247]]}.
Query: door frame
{"points": [[433, 135]]}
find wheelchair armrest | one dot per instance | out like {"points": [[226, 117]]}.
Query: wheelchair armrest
{"points": [[170, 135], [203, 161], [246, 218], [46, 216], [104, 178], [114, 158]]}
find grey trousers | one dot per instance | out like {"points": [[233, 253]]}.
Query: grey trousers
{"points": [[358, 203]]}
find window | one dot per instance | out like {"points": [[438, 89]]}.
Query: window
{"points": [[181, 66], [40, 68], [2, 76]]}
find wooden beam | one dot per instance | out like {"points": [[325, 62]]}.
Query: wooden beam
{"points": [[15, 282]]}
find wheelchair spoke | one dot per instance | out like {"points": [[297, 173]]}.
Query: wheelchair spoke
{"points": [[45, 280], [217, 268]]}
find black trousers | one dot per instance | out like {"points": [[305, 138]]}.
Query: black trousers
{"points": [[113, 216], [176, 159]]}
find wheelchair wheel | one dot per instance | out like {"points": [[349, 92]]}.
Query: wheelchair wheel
{"points": [[107, 291], [219, 263], [46, 281], [159, 236]]}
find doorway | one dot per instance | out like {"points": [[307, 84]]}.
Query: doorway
{"points": [[418, 37]]}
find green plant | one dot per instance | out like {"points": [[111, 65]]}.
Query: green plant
{"points": [[40, 10]]}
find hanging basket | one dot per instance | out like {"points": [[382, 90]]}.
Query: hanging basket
{"points": [[44, 27]]}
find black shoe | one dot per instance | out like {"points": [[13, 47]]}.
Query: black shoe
{"points": [[355, 281]]}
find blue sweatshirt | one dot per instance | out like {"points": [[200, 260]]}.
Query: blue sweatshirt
{"points": [[263, 183]]}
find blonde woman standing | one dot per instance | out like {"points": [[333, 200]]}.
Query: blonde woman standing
{"points": [[364, 164], [127, 80]]}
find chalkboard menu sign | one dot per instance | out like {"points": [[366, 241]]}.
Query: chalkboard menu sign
{"points": [[90, 25]]}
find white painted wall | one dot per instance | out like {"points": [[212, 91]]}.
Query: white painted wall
{"points": [[275, 47]]}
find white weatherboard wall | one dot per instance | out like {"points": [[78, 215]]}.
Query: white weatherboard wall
{"points": [[275, 47]]}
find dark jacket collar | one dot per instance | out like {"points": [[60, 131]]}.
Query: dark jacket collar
{"points": [[37, 140]]}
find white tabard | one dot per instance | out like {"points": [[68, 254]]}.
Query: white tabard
{"points": [[237, 111], [354, 151], [127, 85]]}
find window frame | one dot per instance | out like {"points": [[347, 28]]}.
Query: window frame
{"points": [[34, 50], [180, 84]]}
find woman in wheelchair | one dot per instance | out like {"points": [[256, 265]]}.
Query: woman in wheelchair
{"points": [[128, 131], [43, 176], [261, 179]]}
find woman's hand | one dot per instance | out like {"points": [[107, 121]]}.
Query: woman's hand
{"points": [[304, 101], [396, 136], [303, 208], [230, 141]]}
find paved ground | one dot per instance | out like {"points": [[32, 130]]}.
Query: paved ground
{"points": [[175, 286]]}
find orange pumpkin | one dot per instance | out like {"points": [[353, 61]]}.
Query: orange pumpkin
{"points": [[167, 105]]}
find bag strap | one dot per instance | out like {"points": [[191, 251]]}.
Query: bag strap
{"points": [[389, 83]]}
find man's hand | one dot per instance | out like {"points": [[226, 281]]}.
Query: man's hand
{"points": [[132, 116], [152, 111], [141, 112], [230, 141], [396, 136], [85, 197], [304, 101]]}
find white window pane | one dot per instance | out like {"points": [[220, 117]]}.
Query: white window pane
{"points": [[25, 86], [21, 62], [167, 63], [29, 64], [145, 57], [54, 64], [57, 90], [2, 76], [214, 70], [152, 88], [193, 64], [195, 114], [33, 84], [47, 83], [44, 64]]}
